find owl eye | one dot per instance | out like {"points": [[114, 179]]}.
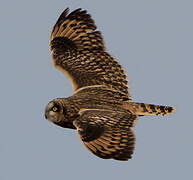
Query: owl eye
{"points": [[55, 108]]}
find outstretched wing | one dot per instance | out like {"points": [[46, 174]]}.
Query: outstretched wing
{"points": [[107, 134], [78, 50]]}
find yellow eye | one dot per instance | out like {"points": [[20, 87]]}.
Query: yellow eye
{"points": [[54, 109]]}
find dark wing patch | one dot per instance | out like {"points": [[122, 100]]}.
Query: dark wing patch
{"points": [[78, 50], [107, 134]]}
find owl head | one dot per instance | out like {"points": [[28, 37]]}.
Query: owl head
{"points": [[59, 112]]}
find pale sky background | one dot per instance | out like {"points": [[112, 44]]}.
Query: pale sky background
{"points": [[152, 39]]}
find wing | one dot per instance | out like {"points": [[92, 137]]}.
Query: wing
{"points": [[107, 134], [78, 50]]}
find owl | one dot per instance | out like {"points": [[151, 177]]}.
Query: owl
{"points": [[101, 108]]}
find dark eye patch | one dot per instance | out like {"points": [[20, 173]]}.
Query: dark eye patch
{"points": [[55, 108]]}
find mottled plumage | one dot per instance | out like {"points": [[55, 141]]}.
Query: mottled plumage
{"points": [[101, 108]]}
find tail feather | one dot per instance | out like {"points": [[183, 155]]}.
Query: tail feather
{"points": [[142, 109]]}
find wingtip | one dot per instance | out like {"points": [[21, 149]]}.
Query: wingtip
{"points": [[64, 13], [66, 10]]}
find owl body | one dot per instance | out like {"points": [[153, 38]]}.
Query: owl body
{"points": [[92, 98], [101, 108], [99, 97]]}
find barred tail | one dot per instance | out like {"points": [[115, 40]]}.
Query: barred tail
{"points": [[142, 109]]}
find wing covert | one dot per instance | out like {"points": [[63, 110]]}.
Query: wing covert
{"points": [[107, 134], [79, 51]]}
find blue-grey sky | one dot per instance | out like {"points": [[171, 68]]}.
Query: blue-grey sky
{"points": [[152, 39]]}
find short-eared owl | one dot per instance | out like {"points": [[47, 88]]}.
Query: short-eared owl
{"points": [[101, 108]]}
